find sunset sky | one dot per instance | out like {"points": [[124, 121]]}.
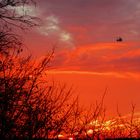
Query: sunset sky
{"points": [[87, 55]]}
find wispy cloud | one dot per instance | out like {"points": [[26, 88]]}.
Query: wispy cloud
{"points": [[51, 27], [102, 57], [125, 75], [25, 10], [50, 24]]}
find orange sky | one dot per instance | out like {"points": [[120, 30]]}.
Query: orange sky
{"points": [[122, 88], [93, 68], [87, 55]]}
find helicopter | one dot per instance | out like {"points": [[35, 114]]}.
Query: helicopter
{"points": [[119, 39]]}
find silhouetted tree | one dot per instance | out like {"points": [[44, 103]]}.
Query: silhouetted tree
{"points": [[33, 107], [14, 15], [30, 106]]}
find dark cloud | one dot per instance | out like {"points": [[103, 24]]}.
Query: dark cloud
{"points": [[84, 22], [104, 19]]}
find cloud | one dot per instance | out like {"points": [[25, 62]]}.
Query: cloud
{"points": [[25, 10], [103, 19], [101, 57], [125, 75], [51, 27], [91, 28]]}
